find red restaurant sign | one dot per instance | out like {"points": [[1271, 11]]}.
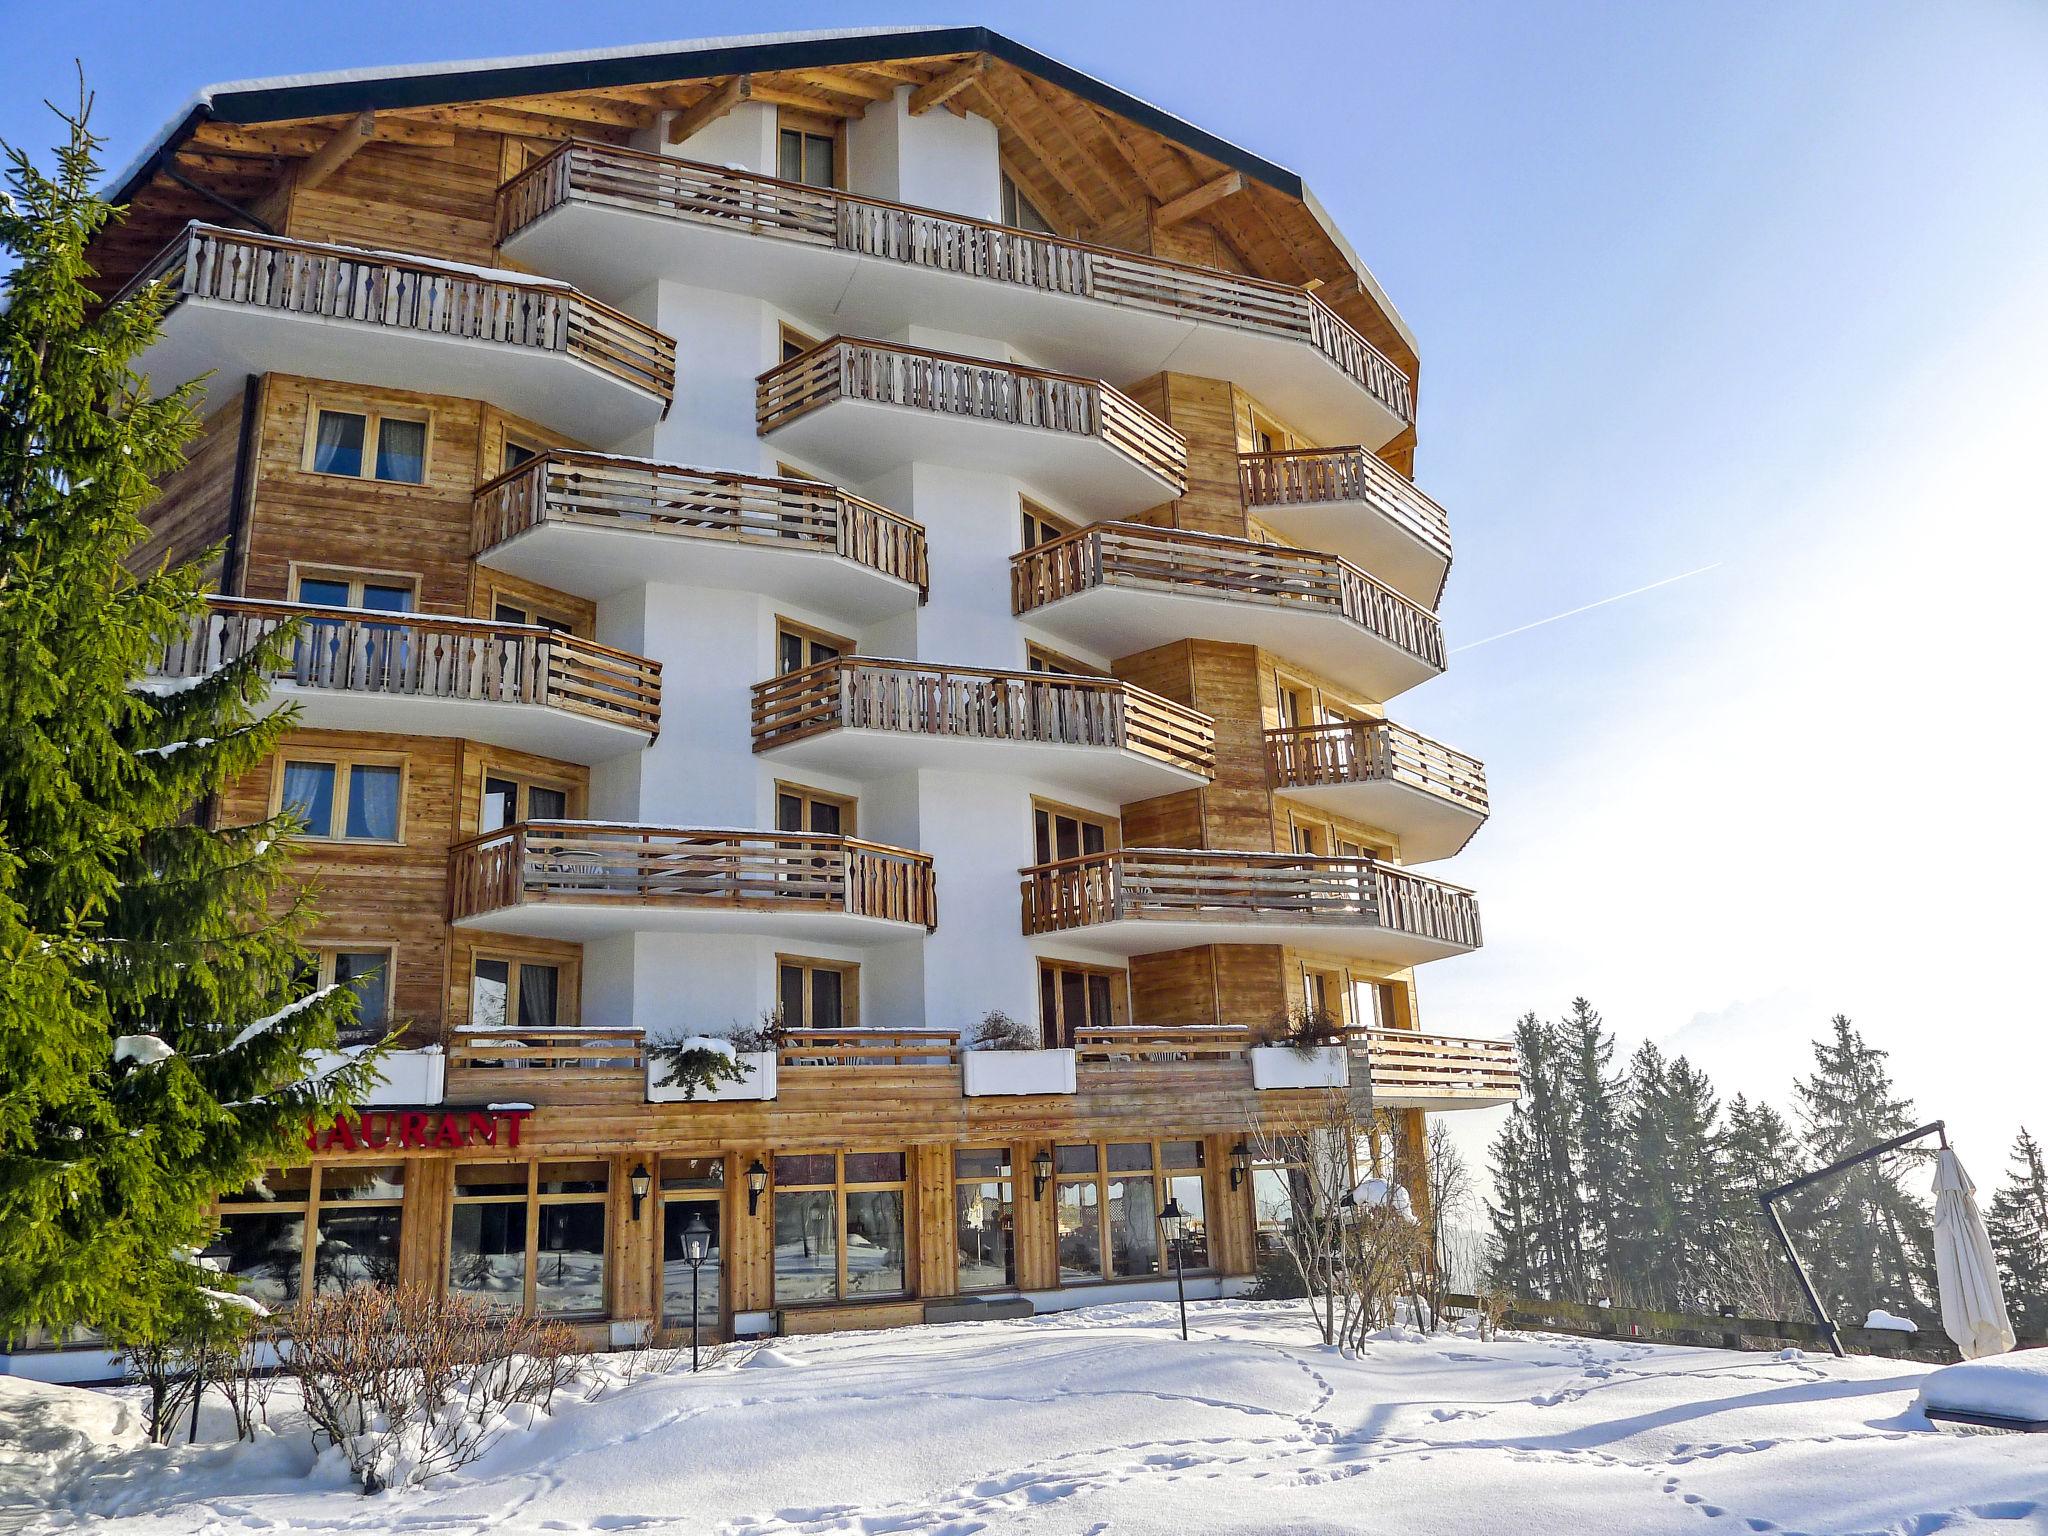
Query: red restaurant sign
{"points": [[418, 1130]]}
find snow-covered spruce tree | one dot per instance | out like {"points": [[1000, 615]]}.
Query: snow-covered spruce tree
{"points": [[1871, 1238], [152, 1017], [1599, 1105], [2018, 1219]]}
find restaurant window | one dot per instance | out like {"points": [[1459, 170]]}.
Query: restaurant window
{"points": [[798, 646], [368, 974], [327, 1230], [530, 1236], [1109, 1198], [692, 1188], [520, 994], [798, 809], [984, 1218], [817, 994], [1076, 997], [1283, 1194], [1019, 212], [510, 798], [368, 445], [808, 149], [839, 1232], [1061, 832], [342, 798]]}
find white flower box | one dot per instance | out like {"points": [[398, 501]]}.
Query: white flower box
{"points": [[1016, 1074], [1282, 1066], [759, 1083], [403, 1077]]}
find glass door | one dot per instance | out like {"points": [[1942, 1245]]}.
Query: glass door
{"points": [[692, 1196]]}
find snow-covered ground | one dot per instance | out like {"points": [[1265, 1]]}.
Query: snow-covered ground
{"points": [[1103, 1422]]}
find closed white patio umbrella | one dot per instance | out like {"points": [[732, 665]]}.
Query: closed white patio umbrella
{"points": [[1972, 1306]]}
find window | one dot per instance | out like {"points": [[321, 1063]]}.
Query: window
{"points": [[1059, 832], [515, 454], [795, 344], [1260, 433], [1038, 658], [1019, 212], [1296, 703], [368, 445], [314, 1229], [378, 591], [1041, 526], [798, 809], [517, 994], [692, 1188], [798, 646], [510, 798], [984, 1218], [1283, 1192], [1110, 1196], [530, 1236], [839, 1226], [344, 799], [503, 612], [367, 973], [817, 994], [1322, 992], [1074, 997], [1376, 1004], [808, 149]]}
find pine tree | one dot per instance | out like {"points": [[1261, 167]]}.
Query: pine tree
{"points": [[1642, 1268], [1556, 1247], [1695, 1181], [1758, 1152], [1598, 1106], [1871, 1239], [2018, 1221], [153, 1019], [1511, 1240]]}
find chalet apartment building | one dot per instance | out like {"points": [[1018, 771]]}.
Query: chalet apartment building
{"points": [[876, 526]]}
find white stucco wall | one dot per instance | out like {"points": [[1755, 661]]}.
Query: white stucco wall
{"points": [[935, 160]]}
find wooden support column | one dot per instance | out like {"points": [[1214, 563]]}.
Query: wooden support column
{"points": [[933, 1241], [1233, 1247], [1188, 204], [1035, 1227], [634, 1244], [331, 156], [708, 111], [750, 1241], [423, 1229]]}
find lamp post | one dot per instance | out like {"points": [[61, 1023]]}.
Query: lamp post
{"points": [[1172, 1223], [696, 1249]]}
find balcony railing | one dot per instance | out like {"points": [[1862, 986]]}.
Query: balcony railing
{"points": [[412, 293], [588, 862], [740, 201], [945, 384], [1310, 476], [1182, 885], [1373, 751], [855, 693], [1134, 555], [858, 1048], [595, 490], [1409, 1064], [356, 651]]}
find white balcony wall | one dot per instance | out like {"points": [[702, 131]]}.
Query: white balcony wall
{"points": [[935, 160], [722, 343]]}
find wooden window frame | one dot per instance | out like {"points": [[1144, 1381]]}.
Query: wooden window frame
{"points": [[1112, 825], [1008, 1181], [326, 957], [849, 988], [308, 1211], [810, 634], [1044, 659], [568, 985], [667, 1166], [1160, 1174], [1035, 518], [1009, 188], [841, 1187], [847, 805], [507, 442], [373, 417], [1336, 982], [534, 1200], [345, 762], [524, 782], [1119, 978], [789, 471], [793, 341], [817, 125], [356, 576]]}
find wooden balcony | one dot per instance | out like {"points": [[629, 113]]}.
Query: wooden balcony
{"points": [[861, 408], [490, 1063], [613, 219], [1386, 776], [859, 716], [243, 303], [596, 524], [589, 879], [1347, 501], [1411, 1070], [1149, 900], [512, 685], [1120, 588]]}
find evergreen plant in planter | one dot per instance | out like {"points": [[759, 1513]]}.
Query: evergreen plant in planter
{"points": [[737, 1066]]}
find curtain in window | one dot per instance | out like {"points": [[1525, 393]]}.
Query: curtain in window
{"points": [[537, 988], [402, 451], [373, 803], [338, 444], [309, 795]]}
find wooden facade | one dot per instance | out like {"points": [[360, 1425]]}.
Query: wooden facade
{"points": [[484, 835]]}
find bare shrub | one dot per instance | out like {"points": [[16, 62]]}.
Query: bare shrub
{"points": [[997, 1031], [1492, 1311], [408, 1387], [1306, 1028], [771, 1033]]}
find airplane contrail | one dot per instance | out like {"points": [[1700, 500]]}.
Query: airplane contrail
{"points": [[1583, 608]]}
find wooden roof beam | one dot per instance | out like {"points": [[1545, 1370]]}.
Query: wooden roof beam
{"points": [[1188, 204], [334, 154], [708, 111], [1048, 160], [939, 92]]}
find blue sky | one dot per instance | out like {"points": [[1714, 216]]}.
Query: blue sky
{"points": [[1762, 287]]}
